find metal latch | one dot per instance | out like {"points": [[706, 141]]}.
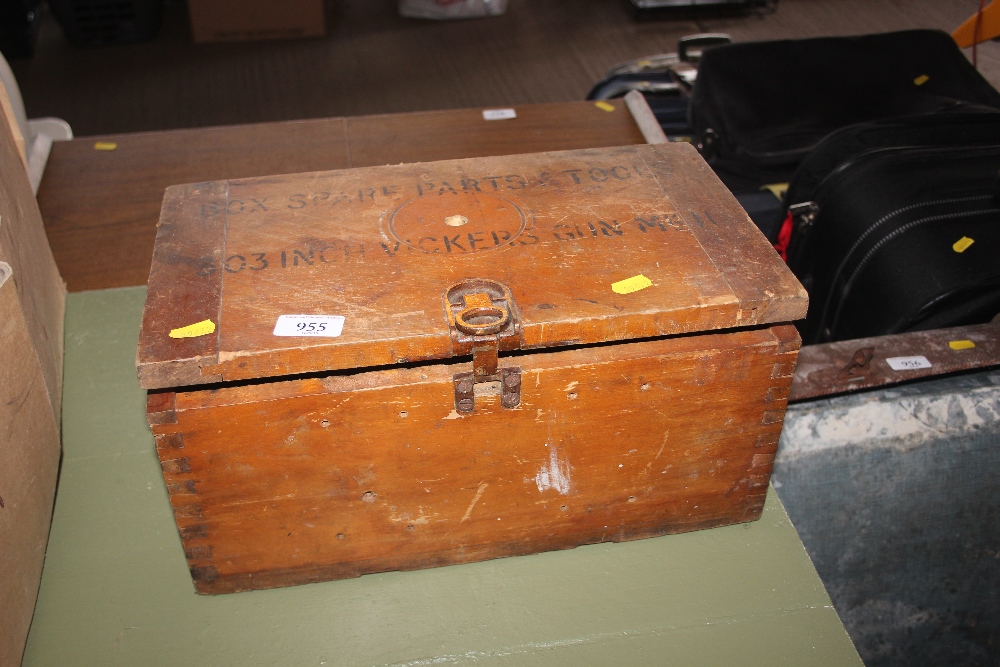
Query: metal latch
{"points": [[484, 321], [804, 214]]}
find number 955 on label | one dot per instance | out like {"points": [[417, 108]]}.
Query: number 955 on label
{"points": [[327, 326]]}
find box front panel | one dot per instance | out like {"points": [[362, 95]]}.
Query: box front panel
{"points": [[286, 483]]}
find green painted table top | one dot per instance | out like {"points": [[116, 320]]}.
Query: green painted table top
{"points": [[116, 590]]}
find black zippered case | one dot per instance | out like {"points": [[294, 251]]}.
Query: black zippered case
{"points": [[758, 108], [898, 239], [839, 148]]}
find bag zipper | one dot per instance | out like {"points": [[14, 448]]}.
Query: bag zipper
{"points": [[881, 243], [871, 230]]}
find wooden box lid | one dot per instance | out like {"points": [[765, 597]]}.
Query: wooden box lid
{"points": [[561, 232]]}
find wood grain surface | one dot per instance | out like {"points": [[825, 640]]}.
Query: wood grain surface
{"points": [[100, 207], [35, 276], [374, 245], [29, 467], [461, 133], [292, 482]]}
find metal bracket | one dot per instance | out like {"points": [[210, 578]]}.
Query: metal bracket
{"points": [[508, 379], [804, 214], [483, 321]]}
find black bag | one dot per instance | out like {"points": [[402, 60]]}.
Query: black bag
{"points": [[839, 149], [901, 239], [758, 108]]}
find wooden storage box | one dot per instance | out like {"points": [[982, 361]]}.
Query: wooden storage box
{"points": [[485, 357]]}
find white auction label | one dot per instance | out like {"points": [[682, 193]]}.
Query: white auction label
{"points": [[907, 363], [498, 114], [329, 326]]}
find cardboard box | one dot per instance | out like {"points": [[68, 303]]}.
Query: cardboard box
{"points": [[247, 20]]}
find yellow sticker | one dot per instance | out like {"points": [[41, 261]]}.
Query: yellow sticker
{"points": [[777, 189], [202, 328], [962, 244], [633, 284], [105, 146], [961, 344], [604, 106], [921, 80]]}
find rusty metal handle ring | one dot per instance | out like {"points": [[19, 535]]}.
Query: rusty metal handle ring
{"points": [[493, 320]]}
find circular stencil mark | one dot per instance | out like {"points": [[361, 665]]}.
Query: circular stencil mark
{"points": [[457, 224]]}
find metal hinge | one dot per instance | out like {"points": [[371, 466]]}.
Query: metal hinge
{"points": [[484, 321]]}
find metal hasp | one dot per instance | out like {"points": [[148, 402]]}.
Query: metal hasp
{"points": [[484, 321]]}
